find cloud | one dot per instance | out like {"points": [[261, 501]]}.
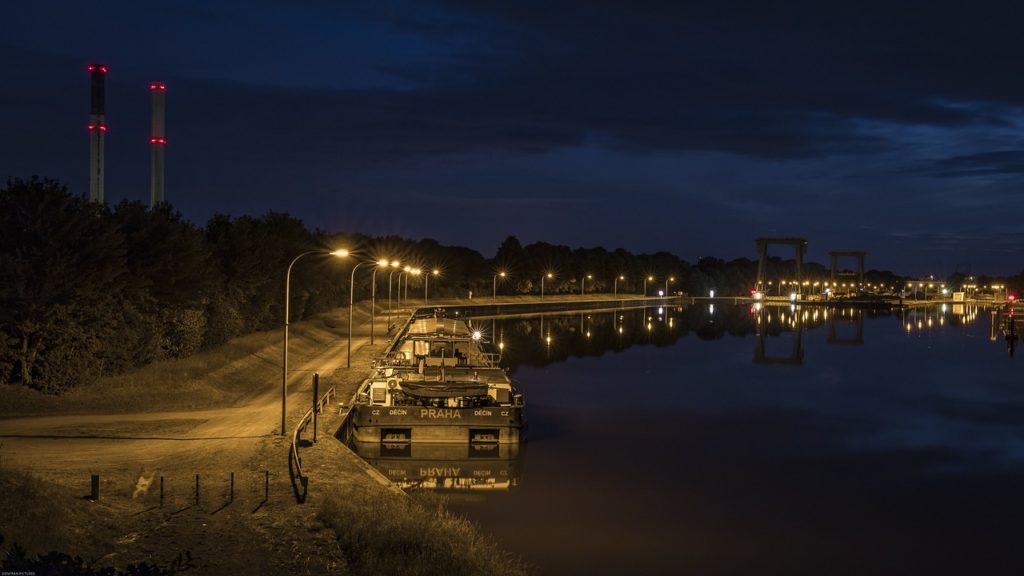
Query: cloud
{"points": [[981, 164]]}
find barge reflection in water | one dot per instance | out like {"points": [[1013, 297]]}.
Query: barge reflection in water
{"points": [[449, 466]]}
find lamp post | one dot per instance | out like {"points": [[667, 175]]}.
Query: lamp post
{"points": [[494, 285], [667, 280], [398, 292], [548, 275], [287, 297], [646, 280], [394, 264], [583, 283], [413, 272], [426, 284], [351, 295], [615, 284], [373, 295]]}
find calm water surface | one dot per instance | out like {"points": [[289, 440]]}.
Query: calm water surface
{"points": [[780, 441]]}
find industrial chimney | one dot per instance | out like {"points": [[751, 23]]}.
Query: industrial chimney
{"points": [[157, 141], [97, 131]]}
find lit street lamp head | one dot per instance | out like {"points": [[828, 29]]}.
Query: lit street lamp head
{"points": [[340, 253]]}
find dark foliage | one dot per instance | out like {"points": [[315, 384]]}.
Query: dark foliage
{"points": [[17, 561]]}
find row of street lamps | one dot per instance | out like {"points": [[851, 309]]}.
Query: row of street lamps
{"points": [[406, 271], [583, 283], [379, 264]]}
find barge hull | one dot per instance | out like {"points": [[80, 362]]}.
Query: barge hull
{"points": [[494, 425]]}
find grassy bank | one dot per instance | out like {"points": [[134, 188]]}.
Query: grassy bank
{"points": [[382, 534], [42, 517], [212, 378]]}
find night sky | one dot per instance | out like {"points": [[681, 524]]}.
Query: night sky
{"points": [[890, 127]]}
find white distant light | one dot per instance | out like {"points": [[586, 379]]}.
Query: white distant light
{"points": [[712, 293], [476, 335]]}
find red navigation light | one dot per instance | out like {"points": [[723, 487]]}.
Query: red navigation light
{"points": [[158, 86], [103, 69], [92, 127], [103, 127], [158, 141], [90, 67], [1011, 297]]}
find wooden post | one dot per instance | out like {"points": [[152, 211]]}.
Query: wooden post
{"points": [[232, 495], [161, 491], [197, 489], [316, 401], [94, 494]]}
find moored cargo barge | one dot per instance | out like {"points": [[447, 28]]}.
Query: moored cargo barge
{"points": [[438, 384]]}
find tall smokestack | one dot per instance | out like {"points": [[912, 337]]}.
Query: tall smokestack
{"points": [[157, 141], [97, 131]]}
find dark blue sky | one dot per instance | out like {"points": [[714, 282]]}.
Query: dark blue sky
{"points": [[891, 127]]}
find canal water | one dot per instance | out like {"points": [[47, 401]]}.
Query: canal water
{"points": [[732, 440]]}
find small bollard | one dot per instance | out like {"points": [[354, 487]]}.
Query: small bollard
{"points": [[316, 401], [94, 494], [161, 491], [231, 495], [197, 489]]}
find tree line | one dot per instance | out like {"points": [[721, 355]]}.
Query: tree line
{"points": [[88, 290]]}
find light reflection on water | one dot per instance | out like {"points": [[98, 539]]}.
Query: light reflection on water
{"points": [[773, 441]]}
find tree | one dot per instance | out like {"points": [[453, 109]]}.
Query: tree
{"points": [[62, 278]]}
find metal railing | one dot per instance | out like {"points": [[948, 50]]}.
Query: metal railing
{"points": [[294, 461]]}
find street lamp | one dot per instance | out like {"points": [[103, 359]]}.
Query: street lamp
{"points": [[548, 275], [413, 272], [351, 295], [394, 264], [583, 283], [426, 284], [398, 292], [667, 280], [646, 280], [287, 298], [615, 284], [494, 284], [373, 295]]}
